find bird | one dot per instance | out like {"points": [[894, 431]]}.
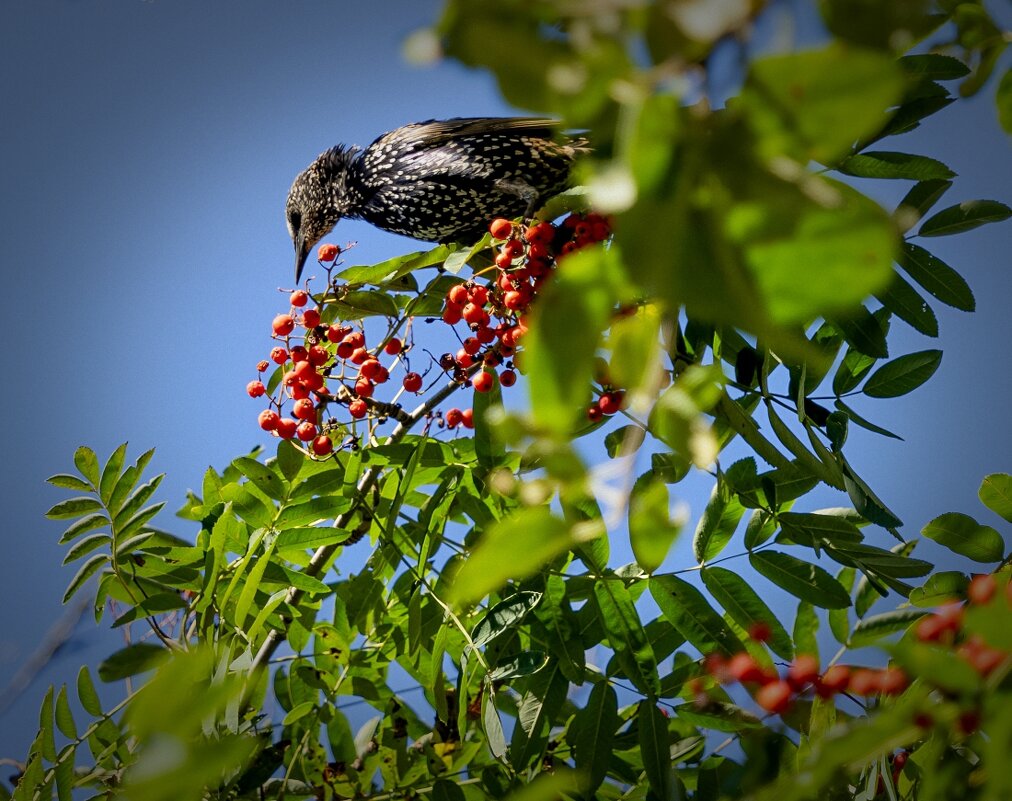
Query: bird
{"points": [[438, 181]]}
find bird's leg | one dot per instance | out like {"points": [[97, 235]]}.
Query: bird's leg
{"points": [[520, 189]]}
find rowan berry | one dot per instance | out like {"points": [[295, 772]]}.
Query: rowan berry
{"points": [[318, 356], [611, 402], [344, 350], [803, 671], [412, 382], [255, 389], [299, 390], [451, 314], [304, 409], [514, 248], [355, 338], [503, 260], [760, 631], [393, 346], [774, 697], [543, 233], [322, 445], [328, 252], [358, 408], [283, 325], [305, 431], [310, 318], [335, 333], [313, 381], [834, 680], [484, 335], [453, 417], [594, 413], [286, 427], [472, 345], [463, 358], [359, 356], [483, 381], [478, 295], [507, 378], [262, 366], [268, 419], [364, 388], [893, 681], [981, 589], [514, 300], [382, 376], [370, 368], [457, 295], [299, 298], [467, 418], [501, 228], [473, 314], [303, 370], [864, 681], [742, 667]]}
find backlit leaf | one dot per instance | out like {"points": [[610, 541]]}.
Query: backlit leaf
{"points": [[903, 374], [964, 535], [802, 579]]}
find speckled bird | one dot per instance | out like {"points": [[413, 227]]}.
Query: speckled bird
{"points": [[438, 181]]}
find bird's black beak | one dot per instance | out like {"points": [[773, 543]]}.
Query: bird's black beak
{"points": [[301, 253]]}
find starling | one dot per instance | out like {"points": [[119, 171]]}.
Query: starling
{"points": [[438, 181]]}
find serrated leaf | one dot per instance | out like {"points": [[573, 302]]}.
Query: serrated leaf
{"points": [[940, 588], [801, 579], [686, 608], [111, 472], [934, 66], [996, 494], [717, 524], [592, 734], [937, 277], [69, 481], [290, 459], [923, 195], [903, 374], [964, 216], [494, 734], [84, 572], [903, 300], [864, 332], [887, 164], [503, 616], [655, 745], [964, 535], [857, 419], [74, 507], [64, 717], [85, 546], [86, 693], [86, 461], [621, 623], [265, 479], [745, 606], [874, 628], [137, 658], [518, 665]]}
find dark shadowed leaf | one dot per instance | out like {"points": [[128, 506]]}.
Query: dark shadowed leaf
{"points": [[937, 277], [802, 579], [654, 745], [903, 374], [137, 658], [745, 606], [996, 494], [964, 217], [617, 613], [503, 616], [687, 609], [592, 733], [874, 628], [886, 164], [904, 301]]}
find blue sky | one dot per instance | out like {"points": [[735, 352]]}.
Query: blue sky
{"points": [[148, 149]]}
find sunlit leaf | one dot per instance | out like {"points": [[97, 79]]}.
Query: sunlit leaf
{"points": [[745, 606], [964, 535], [687, 609], [996, 494]]}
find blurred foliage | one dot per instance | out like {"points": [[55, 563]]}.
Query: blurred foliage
{"points": [[746, 298]]}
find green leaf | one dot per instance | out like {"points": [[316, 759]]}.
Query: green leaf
{"points": [[46, 740], [940, 588], [298, 712], [86, 693], [389, 270], [487, 447], [964, 217], [887, 164], [137, 658], [872, 629], [903, 374], [634, 341], [1003, 99], [690, 613], [816, 530], [592, 734], [996, 494], [745, 606], [964, 535], [265, 479], [921, 197], [820, 101], [934, 66], [493, 725], [802, 579], [85, 546], [904, 301], [864, 332], [654, 744], [852, 370], [652, 527], [937, 277], [74, 507], [806, 628], [504, 616], [86, 461], [515, 547], [855, 418], [84, 572], [290, 459], [69, 481], [518, 665], [446, 790], [717, 524], [622, 626], [64, 717], [935, 666]]}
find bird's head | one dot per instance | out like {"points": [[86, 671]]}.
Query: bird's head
{"points": [[320, 196]]}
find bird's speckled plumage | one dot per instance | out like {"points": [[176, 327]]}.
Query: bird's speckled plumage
{"points": [[438, 181]]}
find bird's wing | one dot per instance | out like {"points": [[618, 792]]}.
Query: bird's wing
{"points": [[433, 133]]}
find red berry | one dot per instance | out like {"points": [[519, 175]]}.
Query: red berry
{"points": [[472, 345], [760, 631], [507, 378], [611, 402], [893, 681], [286, 428], [310, 318], [322, 445], [359, 356], [923, 720], [463, 359], [412, 382], [283, 325], [484, 335], [393, 346], [355, 338], [803, 671], [304, 409], [268, 419], [864, 681], [467, 418], [483, 381], [382, 376], [370, 368], [344, 350], [457, 295], [744, 668], [318, 356], [501, 228], [328, 252], [364, 388], [542, 233], [774, 697], [969, 721], [594, 413], [513, 248], [313, 381], [358, 408], [305, 431], [479, 295], [299, 298], [298, 391], [335, 333], [298, 354], [303, 370], [472, 314], [451, 314], [255, 389], [981, 589], [834, 680], [262, 366], [503, 260], [453, 417], [514, 300]]}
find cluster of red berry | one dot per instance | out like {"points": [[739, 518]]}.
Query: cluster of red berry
{"points": [[494, 311], [333, 364]]}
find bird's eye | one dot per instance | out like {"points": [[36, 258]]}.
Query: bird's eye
{"points": [[294, 220]]}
